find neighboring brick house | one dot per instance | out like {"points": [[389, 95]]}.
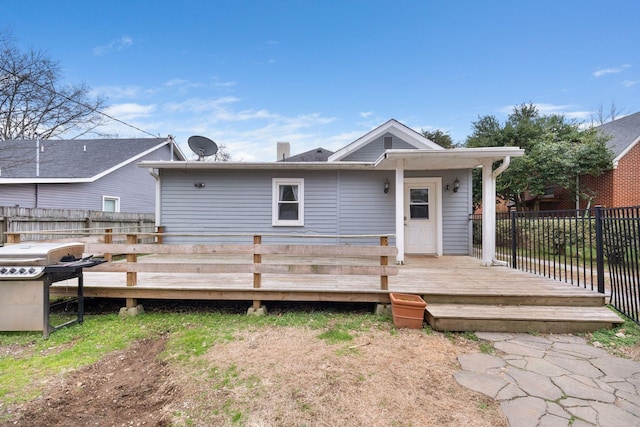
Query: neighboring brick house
{"points": [[617, 187]]}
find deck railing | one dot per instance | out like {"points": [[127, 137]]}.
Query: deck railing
{"points": [[255, 256], [597, 249]]}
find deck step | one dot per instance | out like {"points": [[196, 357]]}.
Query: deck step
{"points": [[519, 318], [492, 297]]}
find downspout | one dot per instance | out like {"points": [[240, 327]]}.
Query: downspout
{"points": [[495, 174], [502, 167], [157, 179]]}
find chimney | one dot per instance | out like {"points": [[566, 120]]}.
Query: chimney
{"points": [[284, 151]]}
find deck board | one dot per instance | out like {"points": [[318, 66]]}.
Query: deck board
{"points": [[428, 276], [460, 292]]}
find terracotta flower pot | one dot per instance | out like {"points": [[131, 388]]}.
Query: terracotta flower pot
{"points": [[407, 310]]}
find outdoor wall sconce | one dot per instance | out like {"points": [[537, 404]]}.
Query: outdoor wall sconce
{"points": [[386, 186], [198, 184], [456, 185]]}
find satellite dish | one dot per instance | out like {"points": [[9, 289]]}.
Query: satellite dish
{"points": [[202, 146]]}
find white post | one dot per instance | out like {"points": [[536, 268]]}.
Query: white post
{"points": [[400, 211], [488, 213]]}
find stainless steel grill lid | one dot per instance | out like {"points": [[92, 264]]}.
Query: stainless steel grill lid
{"points": [[28, 260]]}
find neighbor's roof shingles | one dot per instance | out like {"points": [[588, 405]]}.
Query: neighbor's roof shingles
{"points": [[69, 158], [623, 133]]}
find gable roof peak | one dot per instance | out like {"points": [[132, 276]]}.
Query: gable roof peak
{"points": [[392, 126]]}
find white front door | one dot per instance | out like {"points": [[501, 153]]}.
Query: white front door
{"points": [[422, 216]]}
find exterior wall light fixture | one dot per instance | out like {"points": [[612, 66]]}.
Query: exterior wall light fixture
{"points": [[198, 184], [386, 186], [456, 185]]}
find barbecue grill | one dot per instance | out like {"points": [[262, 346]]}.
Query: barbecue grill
{"points": [[27, 270]]}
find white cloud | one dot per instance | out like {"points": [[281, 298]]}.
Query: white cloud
{"points": [[629, 83], [121, 92], [118, 44], [129, 111], [199, 105], [365, 114], [605, 71]]}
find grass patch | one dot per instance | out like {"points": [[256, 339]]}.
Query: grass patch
{"points": [[32, 359], [487, 348], [334, 336], [620, 341], [455, 336]]}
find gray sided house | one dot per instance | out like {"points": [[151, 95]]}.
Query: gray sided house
{"points": [[390, 181], [96, 174]]}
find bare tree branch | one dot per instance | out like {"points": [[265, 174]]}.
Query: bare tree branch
{"points": [[33, 102]]}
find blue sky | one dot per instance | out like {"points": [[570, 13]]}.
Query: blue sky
{"points": [[248, 74]]}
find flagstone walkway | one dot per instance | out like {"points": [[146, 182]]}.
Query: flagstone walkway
{"points": [[554, 380]]}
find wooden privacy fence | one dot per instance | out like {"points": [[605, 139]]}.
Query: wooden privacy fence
{"points": [[42, 224], [232, 258]]}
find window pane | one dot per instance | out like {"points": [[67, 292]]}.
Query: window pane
{"points": [[419, 211], [419, 195], [287, 211], [288, 193], [109, 205]]}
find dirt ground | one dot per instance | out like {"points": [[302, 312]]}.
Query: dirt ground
{"points": [[272, 376]]}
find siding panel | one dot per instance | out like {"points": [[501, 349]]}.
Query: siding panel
{"points": [[241, 202], [336, 202]]}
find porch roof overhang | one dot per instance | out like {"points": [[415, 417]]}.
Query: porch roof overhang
{"points": [[201, 165], [419, 159], [457, 158]]}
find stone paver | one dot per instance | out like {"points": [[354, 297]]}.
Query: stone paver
{"points": [[554, 381]]}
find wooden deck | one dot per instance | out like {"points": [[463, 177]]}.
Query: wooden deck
{"points": [[461, 294]]}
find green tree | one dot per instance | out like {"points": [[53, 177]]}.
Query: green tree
{"points": [[440, 137], [557, 151]]}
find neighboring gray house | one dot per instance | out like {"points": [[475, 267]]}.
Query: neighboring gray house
{"points": [[390, 181], [96, 174]]}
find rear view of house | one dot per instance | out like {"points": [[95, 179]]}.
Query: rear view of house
{"points": [[392, 180]]}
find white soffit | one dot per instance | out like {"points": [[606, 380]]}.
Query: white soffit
{"points": [[457, 158]]}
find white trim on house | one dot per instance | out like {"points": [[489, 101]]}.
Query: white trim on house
{"points": [[114, 199], [624, 152], [419, 159], [437, 212], [276, 221], [457, 158]]}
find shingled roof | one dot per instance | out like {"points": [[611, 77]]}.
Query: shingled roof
{"points": [[316, 155], [71, 159], [624, 133]]}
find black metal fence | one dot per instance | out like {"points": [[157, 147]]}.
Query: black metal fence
{"points": [[597, 249]]}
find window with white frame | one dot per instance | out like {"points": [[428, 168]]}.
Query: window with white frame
{"points": [[110, 204], [288, 201]]}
